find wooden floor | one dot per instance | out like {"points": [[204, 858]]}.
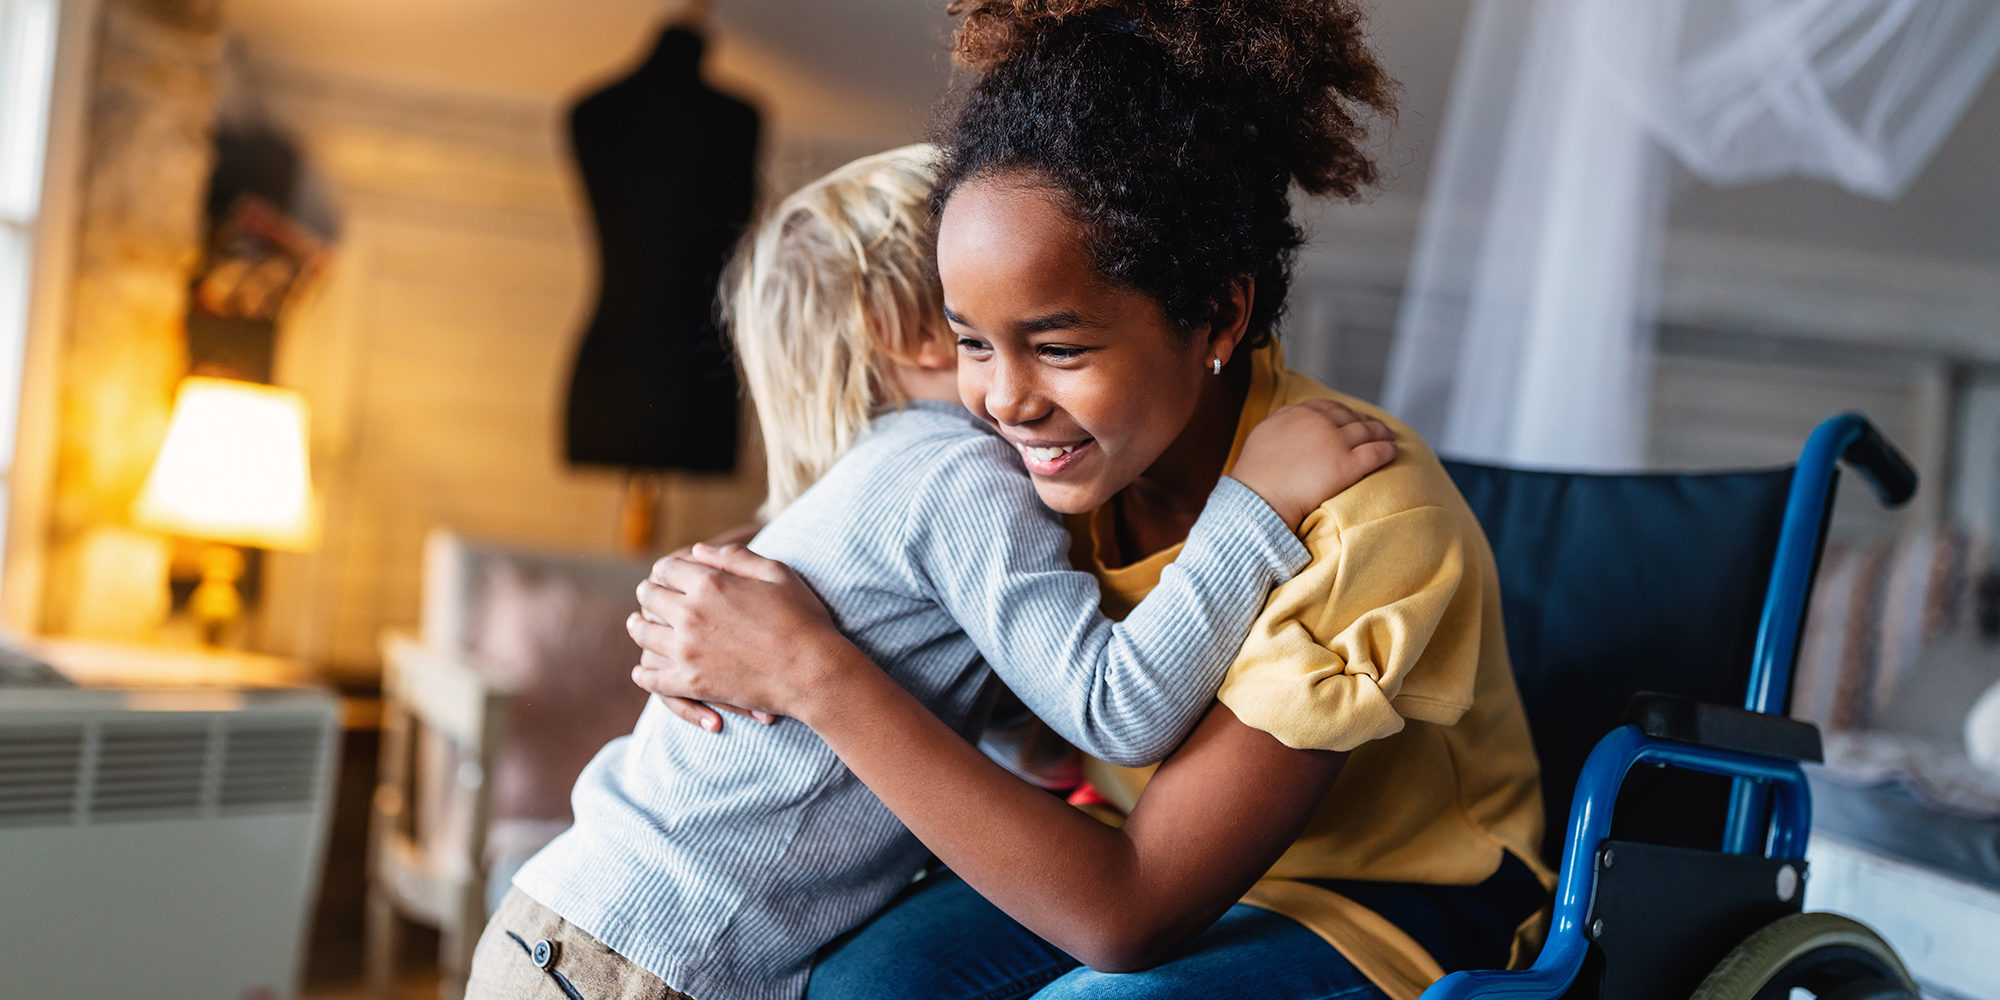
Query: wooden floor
{"points": [[334, 956], [417, 984], [334, 970]]}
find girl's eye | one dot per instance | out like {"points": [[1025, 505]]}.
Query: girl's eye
{"points": [[971, 346], [1057, 352]]}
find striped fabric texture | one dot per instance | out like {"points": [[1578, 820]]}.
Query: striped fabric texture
{"points": [[721, 862]]}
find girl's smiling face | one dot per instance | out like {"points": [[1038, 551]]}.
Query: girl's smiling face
{"points": [[1090, 382]]}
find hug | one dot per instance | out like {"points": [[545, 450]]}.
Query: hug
{"points": [[1028, 423], [1000, 499]]}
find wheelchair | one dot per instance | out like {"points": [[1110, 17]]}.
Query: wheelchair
{"points": [[1682, 872]]}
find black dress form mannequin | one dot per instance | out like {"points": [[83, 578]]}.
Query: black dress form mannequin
{"points": [[669, 166]]}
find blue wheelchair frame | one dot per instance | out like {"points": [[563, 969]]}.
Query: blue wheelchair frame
{"points": [[1762, 783]]}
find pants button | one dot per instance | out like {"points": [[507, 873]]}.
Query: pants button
{"points": [[545, 952]]}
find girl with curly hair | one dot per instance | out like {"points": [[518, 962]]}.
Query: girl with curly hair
{"points": [[1359, 811]]}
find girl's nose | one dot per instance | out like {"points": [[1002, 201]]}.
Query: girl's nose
{"points": [[1011, 395]]}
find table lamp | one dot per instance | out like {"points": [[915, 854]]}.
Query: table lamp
{"points": [[232, 473]]}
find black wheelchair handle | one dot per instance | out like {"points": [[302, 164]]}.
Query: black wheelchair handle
{"points": [[1878, 461]]}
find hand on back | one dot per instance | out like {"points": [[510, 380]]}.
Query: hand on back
{"points": [[1304, 454], [725, 627]]}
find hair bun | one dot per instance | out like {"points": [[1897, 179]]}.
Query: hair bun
{"points": [[1301, 69], [993, 30]]}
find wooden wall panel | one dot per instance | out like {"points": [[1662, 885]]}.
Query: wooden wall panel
{"points": [[440, 355], [1718, 407]]}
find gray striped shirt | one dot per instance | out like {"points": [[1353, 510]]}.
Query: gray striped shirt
{"points": [[722, 862]]}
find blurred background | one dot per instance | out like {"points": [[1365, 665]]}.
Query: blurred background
{"points": [[378, 207]]}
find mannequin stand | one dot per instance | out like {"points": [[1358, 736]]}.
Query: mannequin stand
{"points": [[639, 515]]}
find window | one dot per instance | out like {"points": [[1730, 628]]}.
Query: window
{"points": [[27, 56]]}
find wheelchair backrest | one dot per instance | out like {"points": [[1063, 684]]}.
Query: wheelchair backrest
{"points": [[1613, 584]]}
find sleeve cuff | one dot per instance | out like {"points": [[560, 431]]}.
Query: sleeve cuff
{"points": [[1330, 711], [1244, 510]]}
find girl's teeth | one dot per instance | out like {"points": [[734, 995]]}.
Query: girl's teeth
{"points": [[1048, 454]]}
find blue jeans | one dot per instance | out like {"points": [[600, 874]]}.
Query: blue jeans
{"points": [[943, 941]]}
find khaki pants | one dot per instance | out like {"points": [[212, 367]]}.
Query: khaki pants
{"points": [[529, 953]]}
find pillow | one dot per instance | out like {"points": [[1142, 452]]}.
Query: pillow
{"points": [[1888, 642], [1982, 731], [1982, 724]]}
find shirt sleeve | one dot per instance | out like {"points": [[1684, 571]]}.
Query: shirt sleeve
{"points": [[1128, 692], [1382, 626]]}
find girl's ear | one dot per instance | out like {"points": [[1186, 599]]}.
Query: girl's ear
{"points": [[1231, 322]]}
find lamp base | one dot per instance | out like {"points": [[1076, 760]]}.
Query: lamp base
{"points": [[216, 603]]}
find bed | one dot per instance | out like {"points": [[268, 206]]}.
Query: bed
{"points": [[1927, 879]]}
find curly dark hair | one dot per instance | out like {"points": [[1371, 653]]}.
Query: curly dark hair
{"points": [[1173, 129]]}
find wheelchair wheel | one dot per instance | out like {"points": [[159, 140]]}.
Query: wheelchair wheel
{"points": [[1825, 954]]}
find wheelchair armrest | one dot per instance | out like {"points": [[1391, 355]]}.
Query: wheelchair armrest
{"points": [[1684, 720]]}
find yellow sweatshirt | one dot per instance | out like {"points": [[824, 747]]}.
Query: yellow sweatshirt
{"points": [[1388, 645]]}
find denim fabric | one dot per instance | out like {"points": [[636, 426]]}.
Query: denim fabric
{"points": [[943, 941]]}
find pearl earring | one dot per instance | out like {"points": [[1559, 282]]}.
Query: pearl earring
{"points": [[1215, 365]]}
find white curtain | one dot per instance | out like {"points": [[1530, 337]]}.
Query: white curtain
{"points": [[1527, 321]]}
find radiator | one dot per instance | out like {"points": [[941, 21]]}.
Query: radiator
{"points": [[160, 844]]}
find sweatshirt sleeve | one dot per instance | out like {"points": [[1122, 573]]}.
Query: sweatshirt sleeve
{"points": [[1382, 626], [1127, 692]]}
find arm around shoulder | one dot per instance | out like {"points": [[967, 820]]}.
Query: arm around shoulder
{"points": [[1382, 626], [1128, 692]]}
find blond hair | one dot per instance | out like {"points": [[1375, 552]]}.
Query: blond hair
{"points": [[831, 286]]}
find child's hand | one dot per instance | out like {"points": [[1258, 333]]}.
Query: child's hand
{"points": [[694, 712], [1305, 453], [727, 626]]}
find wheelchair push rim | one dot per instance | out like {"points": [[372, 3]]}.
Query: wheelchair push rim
{"points": [[1833, 957]]}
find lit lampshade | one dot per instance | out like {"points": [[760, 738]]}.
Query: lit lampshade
{"points": [[232, 472], [233, 468]]}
